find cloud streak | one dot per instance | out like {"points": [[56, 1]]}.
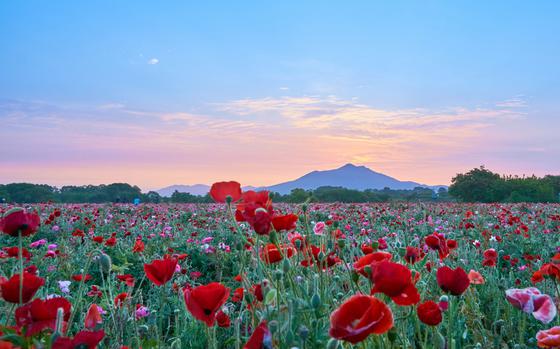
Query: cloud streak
{"points": [[257, 141]]}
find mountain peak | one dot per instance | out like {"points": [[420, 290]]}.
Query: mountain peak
{"points": [[348, 176]]}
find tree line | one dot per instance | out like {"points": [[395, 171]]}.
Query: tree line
{"points": [[483, 185], [477, 185], [126, 193]]}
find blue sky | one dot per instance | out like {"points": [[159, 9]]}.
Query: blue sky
{"points": [[440, 86]]}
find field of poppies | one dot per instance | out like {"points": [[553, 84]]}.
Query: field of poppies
{"points": [[249, 273]]}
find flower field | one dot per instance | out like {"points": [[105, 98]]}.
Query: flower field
{"points": [[246, 272]]}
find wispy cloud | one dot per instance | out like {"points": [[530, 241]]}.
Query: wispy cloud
{"points": [[257, 141], [153, 61]]}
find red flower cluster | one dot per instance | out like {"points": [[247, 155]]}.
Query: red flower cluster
{"points": [[490, 258]]}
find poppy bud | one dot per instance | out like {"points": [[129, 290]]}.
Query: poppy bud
{"points": [[286, 265], [392, 334], [278, 275], [303, 332], [304, 208], [143, 330], [105, 262], [289, 337], [298, 244], [273, 326], [59, 320], [248, 297], [316, 301], [273, 237], [355, 276], [332, 344], [375, 245], [321, 256], [339, 295], [341, 244], [367, 269], [439, 341]]}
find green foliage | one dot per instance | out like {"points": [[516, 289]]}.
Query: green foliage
{"points": [[482, 185]]}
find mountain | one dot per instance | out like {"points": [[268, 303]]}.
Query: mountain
{"points": [[348, 176], [197, 189]]}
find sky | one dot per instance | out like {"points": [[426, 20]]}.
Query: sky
{"points": [[176, 92]]}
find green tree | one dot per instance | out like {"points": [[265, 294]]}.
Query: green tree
{"points": [[478, 185]]}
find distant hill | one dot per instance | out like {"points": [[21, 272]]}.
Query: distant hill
{"points": [[197, 189], [348, 176]]}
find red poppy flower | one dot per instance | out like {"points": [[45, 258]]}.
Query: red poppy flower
{"points": [[261, 221], [223, 319], [413, 255], [257, 292], [552, 270], [371, 260], [160, 270], [490, 258], [204, 301], [80, 277], [328, 261], [270, 254], [82, 339], [437, 242], [429, 313], [93, 317], [14, 252], [455, 281], [120, 298], [221, 190], [138, 246], [395, 281], [9, 289], [358, 317], [237, 295], [284, 222], [549, 338], [260, 337], [250, 201], [18, 220], [128, 279], [41, 314], [112, 241]]}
